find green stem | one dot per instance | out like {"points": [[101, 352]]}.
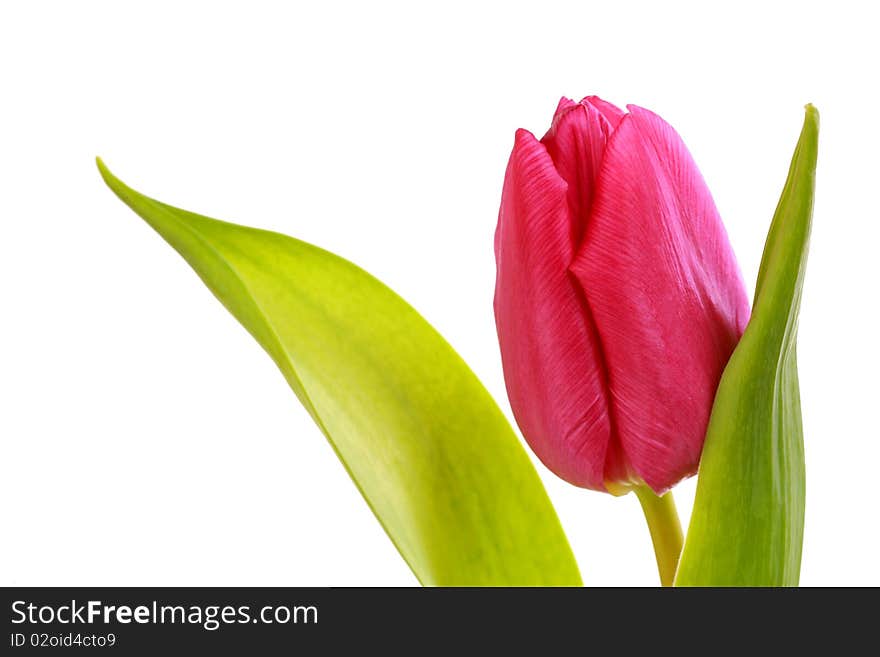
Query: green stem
{"points": [[665, 530]]}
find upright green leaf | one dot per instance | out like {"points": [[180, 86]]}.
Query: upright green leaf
{"points": [[748, 519], [418, 433]]}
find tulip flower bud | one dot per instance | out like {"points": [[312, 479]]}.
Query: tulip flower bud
{"points": [[618, 299]]}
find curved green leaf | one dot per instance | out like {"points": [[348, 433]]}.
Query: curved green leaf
{"points": [[418, 433], [748, 519]]}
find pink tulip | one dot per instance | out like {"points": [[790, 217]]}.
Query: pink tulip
{"points": [[618, 299]]}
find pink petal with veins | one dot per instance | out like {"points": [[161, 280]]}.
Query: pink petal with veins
{"points": [[665, 293]]}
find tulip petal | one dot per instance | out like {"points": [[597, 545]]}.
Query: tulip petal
{"points": [[612, 113], [665, 292], [576, 143], [552, 366]]}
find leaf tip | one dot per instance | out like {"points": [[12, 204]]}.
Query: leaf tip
{"points": [[812, 112], [112, 181], [807, 150], [811, 122], [123, 191]]}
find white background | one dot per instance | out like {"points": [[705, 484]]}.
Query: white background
{"points": [[146, 439]]}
